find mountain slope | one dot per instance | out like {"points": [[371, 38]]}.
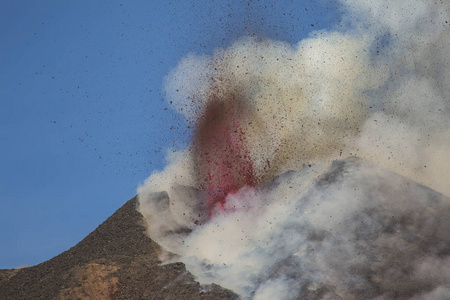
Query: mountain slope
{"points": [[116, 261]]}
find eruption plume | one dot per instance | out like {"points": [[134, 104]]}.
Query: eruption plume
{"points": [[265, 202], [222, 161]]}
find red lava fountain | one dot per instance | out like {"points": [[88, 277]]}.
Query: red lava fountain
{"points": [[222, 158]]}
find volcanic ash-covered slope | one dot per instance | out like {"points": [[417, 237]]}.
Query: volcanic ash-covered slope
{"points": [[115, 261], [351, 230]]}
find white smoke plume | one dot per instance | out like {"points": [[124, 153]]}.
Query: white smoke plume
{"points": [[378, 89]]}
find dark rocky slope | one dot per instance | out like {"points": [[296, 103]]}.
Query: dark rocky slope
{"points": [[115, 261]]}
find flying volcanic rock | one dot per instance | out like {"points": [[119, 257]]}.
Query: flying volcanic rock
{"points": [[261, 201]]}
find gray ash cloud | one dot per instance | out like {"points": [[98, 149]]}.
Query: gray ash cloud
{"points": [[315, 226]]}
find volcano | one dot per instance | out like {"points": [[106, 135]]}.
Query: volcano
{"points": [[355, 232]]}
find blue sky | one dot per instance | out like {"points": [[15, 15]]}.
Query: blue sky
{"points": [[83, 115]]}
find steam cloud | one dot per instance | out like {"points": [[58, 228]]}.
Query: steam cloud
{"points": [[260, 204]]}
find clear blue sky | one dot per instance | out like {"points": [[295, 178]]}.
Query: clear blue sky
{"points": [[83, 117]]}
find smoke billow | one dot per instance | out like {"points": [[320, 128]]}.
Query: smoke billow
{"points": [[262, 202]]}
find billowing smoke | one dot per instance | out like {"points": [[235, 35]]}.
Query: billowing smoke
{"points": [[265, 202]]}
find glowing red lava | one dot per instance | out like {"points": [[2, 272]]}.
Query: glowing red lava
{"points": [[222, 157]]}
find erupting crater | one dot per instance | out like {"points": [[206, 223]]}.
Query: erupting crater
{"points": [[223, 163]]}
